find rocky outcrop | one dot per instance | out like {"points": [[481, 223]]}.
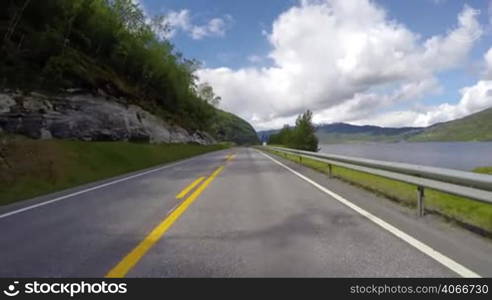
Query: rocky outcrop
{"points": [[89, 118]]}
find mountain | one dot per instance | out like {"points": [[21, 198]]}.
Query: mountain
{"points": [[347, 133], [229, 127], [342, 132], [475, 127], [265, 134]]}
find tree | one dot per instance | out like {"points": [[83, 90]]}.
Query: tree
{"points": [[160, 27], [206, 92], [15, 21], [304, 133], [302, 136], [283, 137]]}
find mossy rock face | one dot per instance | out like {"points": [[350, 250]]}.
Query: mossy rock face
{"points": [[88, 118]]}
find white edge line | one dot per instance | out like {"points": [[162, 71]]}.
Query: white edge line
{"points": [[436, 255], [17, 211]]}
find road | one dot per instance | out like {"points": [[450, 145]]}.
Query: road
{"points": [[241, 214]]}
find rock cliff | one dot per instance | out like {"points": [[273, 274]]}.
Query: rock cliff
{"points": [[82, 116]]}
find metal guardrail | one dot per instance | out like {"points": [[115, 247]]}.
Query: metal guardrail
{"points": [[460, 183]]}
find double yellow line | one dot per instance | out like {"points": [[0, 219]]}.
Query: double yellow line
{"points": [[132, 258]]}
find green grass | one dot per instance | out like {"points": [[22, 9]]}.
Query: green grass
{"points": [[31, 168], [467, 212], [483, 170]]}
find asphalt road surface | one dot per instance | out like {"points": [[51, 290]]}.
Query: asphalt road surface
{"points": [[233, 213]]}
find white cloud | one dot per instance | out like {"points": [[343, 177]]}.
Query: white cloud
{"points": [[214, 27], [488, 64], [255, 58], [177, 20], [473, 99], [138, 2], [182, 20], [343, 59]]}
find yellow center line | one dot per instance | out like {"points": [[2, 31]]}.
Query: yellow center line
{"points": [[132, 258], [187, 189]]}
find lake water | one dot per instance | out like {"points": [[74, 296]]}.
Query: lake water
{"points": [[452, 155]]}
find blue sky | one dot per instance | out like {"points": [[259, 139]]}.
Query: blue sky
{"points": [[243, 47], [244, 34]]}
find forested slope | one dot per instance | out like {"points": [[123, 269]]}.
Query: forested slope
{"points": [[229, 127], [107, 46], [475, 127]]}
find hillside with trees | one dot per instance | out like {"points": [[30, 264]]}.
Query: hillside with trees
{"points": [[107, 46], [229, 127], [474, 127]]}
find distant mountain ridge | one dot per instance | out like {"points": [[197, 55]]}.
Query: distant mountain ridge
{"points": [[475, 127], [376, 130], [344, 132]]}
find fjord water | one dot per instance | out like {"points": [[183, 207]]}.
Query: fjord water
{"points": [[452, 155]]}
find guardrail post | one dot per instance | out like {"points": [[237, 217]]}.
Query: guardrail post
{"points": [[420, 200], [330, 171], [300, 159]]}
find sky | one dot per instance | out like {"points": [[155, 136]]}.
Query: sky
{"points": [[377, 62]]}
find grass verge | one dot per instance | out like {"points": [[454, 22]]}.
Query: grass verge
{"points": [[483, 170], [471, 214], [30, 168]]}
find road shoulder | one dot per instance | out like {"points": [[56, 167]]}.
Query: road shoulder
{"points": [[463, 246]]}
